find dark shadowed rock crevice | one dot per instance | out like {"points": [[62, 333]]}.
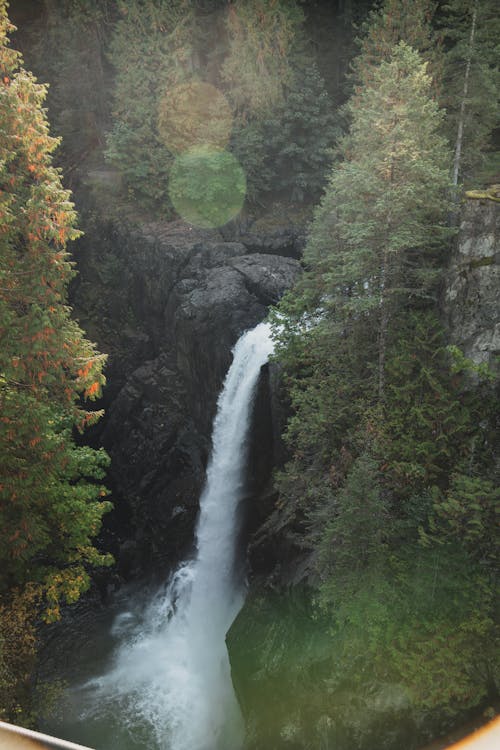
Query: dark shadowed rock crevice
{"points": [[274, 558]]}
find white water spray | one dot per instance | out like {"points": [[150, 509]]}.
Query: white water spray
{"points": [[171, 674]]}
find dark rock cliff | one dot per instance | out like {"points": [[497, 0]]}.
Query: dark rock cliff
{"points": [[471, 297], [168, 302]]}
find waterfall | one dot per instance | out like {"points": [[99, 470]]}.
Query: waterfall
{"points": [[171, 675]]}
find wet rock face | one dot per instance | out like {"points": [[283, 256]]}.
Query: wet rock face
{"points": [[273, 235], [158, 465], [470, 300], [167, 302], [218, 298], [272, 559]]}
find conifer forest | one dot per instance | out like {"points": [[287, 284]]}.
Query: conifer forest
{"points": [[249, 372]]}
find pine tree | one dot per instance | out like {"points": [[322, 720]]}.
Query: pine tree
{"points": [[288, 152], [393, 22], [429, 419], [257, 74], [373, 253], [375, 240], [467, 511], [152, 52], [70, 52], [258, 68], [471, 81], [51, 501], [300, 136], [354, 538]]}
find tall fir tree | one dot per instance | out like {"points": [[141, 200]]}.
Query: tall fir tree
{"points": [[470, 30], [51, 499], [376, 239], [395, 21], [300, 136], [152, 52], [374, 252], [257, 68], [288, 152]]}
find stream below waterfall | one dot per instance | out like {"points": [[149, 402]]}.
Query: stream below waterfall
{"points": [[154, 673]]}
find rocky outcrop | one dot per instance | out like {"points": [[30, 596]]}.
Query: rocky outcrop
{"points": [[470, 300], [167, 302], [273, 557], [275, 234], [221, 292]]}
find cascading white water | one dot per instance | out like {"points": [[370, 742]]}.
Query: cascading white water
{"points": [[171, 673]]}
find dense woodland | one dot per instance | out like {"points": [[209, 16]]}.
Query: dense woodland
{"points": [[373, 119]]}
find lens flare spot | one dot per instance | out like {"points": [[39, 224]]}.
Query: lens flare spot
{"points": [[194, 114], [207, 186]]}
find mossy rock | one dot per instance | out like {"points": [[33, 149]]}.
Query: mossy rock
{"points": [[491, 193]]}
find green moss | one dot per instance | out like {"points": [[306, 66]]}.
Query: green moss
{"points": [[492, 194], [488, 260]]}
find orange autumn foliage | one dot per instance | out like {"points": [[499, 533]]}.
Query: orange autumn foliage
{"points": [[51, 502]]}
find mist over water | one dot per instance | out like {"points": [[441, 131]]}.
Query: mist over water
{"points": [[170, 679]]}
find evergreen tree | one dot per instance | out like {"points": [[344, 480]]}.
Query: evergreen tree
{"points": [[430, 419], [258, 68], [70, 52], [248, 144], [376, 237], [300, 137], [288, 152], [353, 538], [327, 376], [467, 511], [471, 81], [264, 84], [51, 503], [392, 22], [152, 53]]}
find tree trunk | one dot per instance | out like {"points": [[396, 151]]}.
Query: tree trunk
{"points": [[461, 118], [382, 346], [384, 324]]}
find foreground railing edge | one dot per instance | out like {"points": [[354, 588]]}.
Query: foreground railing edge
{"points": [[51, 742], [486, 737]]}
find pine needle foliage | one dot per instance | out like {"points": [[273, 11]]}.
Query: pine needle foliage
{"points": [[257, 68], [151, 50], [470, 33], [392, 22], [51, 499], [389, 489]]}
